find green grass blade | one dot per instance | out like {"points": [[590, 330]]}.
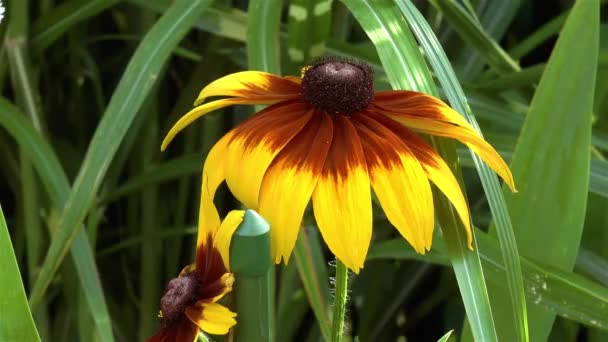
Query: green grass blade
{"points": [[16, 322], [446, 337], [539, 36], [263, 19], [57, 186], [564, 293], [219, 20], [495, 17], [517, 306], [472, 33], [406, 69], [307, 30], [185, 165], [138, 79], [551, 160], [52, 25], [313, 272], [523, 78], [82, 255], [292, 304]]}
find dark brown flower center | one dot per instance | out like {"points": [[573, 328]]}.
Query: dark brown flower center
{"points": [[180, 293], [338, 86]]}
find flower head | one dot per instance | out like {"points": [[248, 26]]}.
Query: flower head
{"points": [[190, 302], [328, 136]]}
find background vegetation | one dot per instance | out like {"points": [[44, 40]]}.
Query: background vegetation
{"points": [[95, 220]]}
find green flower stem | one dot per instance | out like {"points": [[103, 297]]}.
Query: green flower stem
{"points": [[337, 327], [253, 288]]}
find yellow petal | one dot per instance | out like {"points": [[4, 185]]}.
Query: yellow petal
{"points": [[252, 84], [427, 114], [256, 142], [436, 170], [342, 199], [213, 176], [223, 236], [399, 182], [290, 181], [199, 111], [212, 318], [440, 174]]}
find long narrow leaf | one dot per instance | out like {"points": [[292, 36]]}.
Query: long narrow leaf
{"points": [[440, 63], [406, 69]]}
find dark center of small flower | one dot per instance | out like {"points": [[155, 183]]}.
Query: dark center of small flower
{"points": [[180, 293], [338, 86]]}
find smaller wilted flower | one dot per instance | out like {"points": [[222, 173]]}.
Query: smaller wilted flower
{"points": [[190, 302]]}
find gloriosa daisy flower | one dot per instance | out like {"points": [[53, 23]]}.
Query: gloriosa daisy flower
{"points": [[190, 301], [328, 136]]}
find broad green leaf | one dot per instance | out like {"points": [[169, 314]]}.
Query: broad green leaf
{"points": [[138, 79], [16, 322], [406, 69], [551, 161]]}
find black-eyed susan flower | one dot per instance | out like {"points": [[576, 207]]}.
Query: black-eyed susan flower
{"points": [[328, 136], [190, 302]]}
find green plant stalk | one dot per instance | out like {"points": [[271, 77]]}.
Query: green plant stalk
{"points": [[253, 290], [150, 280], [151, 250], [341, 296], [24, 88]]}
